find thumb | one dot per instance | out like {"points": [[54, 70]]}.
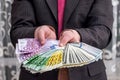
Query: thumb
{"points": [[42, 38], [64, 40]]}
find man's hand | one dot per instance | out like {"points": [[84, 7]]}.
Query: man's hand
{"points": [[69, 36], [44, 32]]}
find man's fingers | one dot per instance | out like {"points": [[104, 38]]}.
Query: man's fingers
{"points": [[51, 36], [69, 36], [36, 33], [64, 40], [44, 32], [41, 37]]}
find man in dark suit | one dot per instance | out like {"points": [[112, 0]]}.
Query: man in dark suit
{"points": [[88, 21]]}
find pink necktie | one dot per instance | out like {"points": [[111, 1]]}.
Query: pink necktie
{"points": [[63, 73], [61, 5]]}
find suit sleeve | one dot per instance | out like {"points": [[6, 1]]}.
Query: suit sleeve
{"points": [[99, 24], [22, 20]]}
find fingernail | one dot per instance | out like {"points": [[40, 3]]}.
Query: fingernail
{"points": [[61, 45], [42, 42]]}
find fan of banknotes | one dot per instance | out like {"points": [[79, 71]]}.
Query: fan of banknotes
{"points": [[41, 58]]}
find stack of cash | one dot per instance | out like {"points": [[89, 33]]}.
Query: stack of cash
{"points": [[41, 58]]}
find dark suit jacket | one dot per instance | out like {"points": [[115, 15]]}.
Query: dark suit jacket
{"points": [[91, 18]]}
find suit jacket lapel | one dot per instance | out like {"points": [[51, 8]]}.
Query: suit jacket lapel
{"points": [[69, 7], [53, 6]]}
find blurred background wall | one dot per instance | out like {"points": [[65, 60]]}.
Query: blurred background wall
{"points": [[9, 66]]}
